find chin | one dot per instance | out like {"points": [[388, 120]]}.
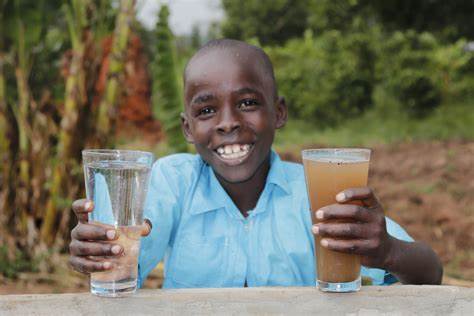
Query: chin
{"points": [[235, 177]]}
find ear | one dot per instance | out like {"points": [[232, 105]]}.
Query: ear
{"points": [[281, 112], [186, 129]]}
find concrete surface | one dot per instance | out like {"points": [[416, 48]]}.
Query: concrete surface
{"points": [[371, 300]]}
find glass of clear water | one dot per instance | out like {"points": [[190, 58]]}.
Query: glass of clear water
{"points": [[117, 182]]}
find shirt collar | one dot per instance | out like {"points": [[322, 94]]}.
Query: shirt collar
{"points": [[210, 195], [277, 174]]}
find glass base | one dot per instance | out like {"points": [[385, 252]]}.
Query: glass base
{"points": [[342, 287], [114, 289]]}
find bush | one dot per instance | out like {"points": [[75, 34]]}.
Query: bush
{"points": [[406, 68], [454, 67], [326, 79], [11, 267], [331, 77]]}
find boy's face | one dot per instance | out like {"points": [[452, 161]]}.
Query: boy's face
{"points": [[231, 112]]}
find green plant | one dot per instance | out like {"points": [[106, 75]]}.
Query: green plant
{"points": [[10, 267], [167, 104], [326, 79], [406, 68]]}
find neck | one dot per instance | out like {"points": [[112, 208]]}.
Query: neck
{"points": [[245, 194]]}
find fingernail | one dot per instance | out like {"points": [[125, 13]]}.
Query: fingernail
{"points": [[88, 206], [315, 230], [320, 214], [340, 197], [107, 265], [324, 242], [110, 234], [116, 249]]}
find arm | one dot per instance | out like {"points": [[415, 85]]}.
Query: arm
{"points": [[413, 262], [361, 229]]}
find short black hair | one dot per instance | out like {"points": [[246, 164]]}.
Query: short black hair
{"points": [[226, 44]]}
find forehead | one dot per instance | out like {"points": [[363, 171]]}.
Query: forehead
{"points": [[227, 69]]}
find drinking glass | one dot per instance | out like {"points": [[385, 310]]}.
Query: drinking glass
{"points": [[117, 182], [328, 172]]}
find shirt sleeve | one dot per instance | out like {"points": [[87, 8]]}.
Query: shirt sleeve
{"points": [[380, 276], [162, 209]]}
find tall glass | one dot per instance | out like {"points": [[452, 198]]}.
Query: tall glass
{"points": [[117, 182], [328, 172]]}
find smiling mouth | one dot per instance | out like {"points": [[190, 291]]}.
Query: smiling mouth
{"points": [[234, 151]]}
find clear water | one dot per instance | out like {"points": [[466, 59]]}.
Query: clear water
{"points": [[118, 189], [122, 278]]}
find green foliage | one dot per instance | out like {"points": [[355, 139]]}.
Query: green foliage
{"points": [[167, 104], [42, 41], [405, 67], [271, 21], [326, 79], [420, 72], [20, 263], [451, 19], [341, 15], [385, 123], [454, 67]]}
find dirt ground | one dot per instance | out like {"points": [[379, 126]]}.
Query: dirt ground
{"points": [[426, 187]]}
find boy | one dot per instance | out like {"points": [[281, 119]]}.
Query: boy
{"points": [[235, 214]]}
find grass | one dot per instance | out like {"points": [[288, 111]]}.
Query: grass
{"points": [[384, 124]]}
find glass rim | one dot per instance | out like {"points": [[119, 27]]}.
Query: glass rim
{"points": [[362, 154], [338, 149], [106, 152]]}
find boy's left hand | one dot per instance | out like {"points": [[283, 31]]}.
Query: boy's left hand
{"points": [[358, 229]]}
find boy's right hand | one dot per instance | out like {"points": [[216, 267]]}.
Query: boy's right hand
{"points": [[91, 243]]}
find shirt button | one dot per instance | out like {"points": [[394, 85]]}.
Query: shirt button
{"points": [[247, 226]]}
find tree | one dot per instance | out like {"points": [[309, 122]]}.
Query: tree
{"points": [[341, 15], [195, 37], [271, 21], [167, 104], [450, 18], [40, 137], [108, 106]]}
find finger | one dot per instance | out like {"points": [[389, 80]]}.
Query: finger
{"points": [[344, 212], [339, 230], [82, 208], [363, 194], [93, 232], [358, 246], [84, 265], [146, 228], [84, 248]]}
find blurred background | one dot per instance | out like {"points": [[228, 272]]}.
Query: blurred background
{"points": [[396, 76]]}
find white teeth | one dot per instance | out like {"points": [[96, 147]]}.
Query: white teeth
{"points": [[233, 151]]}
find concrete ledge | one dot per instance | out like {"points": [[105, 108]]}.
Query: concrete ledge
{"points": [[394, 300]]}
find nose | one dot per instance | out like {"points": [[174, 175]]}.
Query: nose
{"points": [[229, 121]]}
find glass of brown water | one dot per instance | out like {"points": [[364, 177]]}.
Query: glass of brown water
{"points": [[328, 172]]}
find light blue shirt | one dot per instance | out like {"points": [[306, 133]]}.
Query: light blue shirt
{"points": [[206, 242]]}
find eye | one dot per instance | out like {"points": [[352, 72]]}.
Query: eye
{"points": [[205, 111], [248, 104]]}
